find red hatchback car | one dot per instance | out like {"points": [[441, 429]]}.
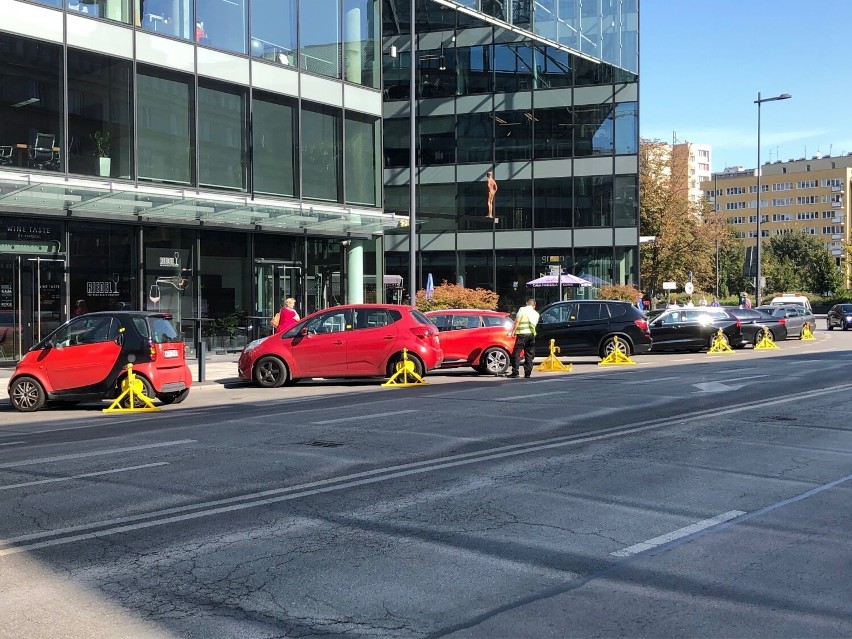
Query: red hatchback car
{"points": [[476, 338], [86, 359], [359, 340]]}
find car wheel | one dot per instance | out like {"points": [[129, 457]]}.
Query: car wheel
{"points": [[397, 359], [495, 360], [609, 346], [173, 398], [26, 394], [270, 372], [828, 325], [844, 326], [759, 336], [143, 387], [725, 340]]}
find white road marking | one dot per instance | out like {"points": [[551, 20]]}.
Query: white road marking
{"points": [[53, 480], [11, 443], [50, 538], [677, 534], [716, 387], [655, 380], [94, 453], [361, 417], [528, 395]]}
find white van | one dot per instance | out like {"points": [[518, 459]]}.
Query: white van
{"points": [[797, 299]]}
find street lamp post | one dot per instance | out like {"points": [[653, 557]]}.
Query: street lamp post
{"points": [[412, 162], [758, 239]]}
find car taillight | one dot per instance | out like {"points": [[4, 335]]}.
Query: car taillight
{"points": [[783, 322], [642, 324], [426, 333], [738, 324], [153, 352]]}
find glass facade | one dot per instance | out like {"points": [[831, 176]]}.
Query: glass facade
{"points": [[559, 131]]}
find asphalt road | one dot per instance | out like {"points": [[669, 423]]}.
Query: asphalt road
{"points": [[685, 496]]}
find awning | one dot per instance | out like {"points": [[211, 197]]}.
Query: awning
{"points": [[553, 280], [106, 199]]}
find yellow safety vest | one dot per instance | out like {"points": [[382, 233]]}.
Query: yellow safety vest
{"points": [[525, 325]]}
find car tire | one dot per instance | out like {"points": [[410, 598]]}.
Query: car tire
{"points": [[495, 360], [713, 337], [844, 326], [147, 390], [173, 398], [609, 345], [26, 395], [397, 359], [270, 372], [828, 326]]}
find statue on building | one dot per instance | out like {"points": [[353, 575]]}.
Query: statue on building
{"points": [[492, 191]]}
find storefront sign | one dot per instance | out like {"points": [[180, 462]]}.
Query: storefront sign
{"points": [[102, 289]]}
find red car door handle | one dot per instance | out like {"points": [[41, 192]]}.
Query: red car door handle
{"points": [[388, 337], [337, 343]]}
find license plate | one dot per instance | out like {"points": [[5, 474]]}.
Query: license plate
{"points": [[171, 352]]}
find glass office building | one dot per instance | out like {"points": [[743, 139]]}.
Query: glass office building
{"points": [[202, 157], [546, 96]]}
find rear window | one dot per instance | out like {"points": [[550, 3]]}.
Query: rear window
{"points": [[375, 318], [494, 320], [617, 310], [420, 317], [161, 330]]}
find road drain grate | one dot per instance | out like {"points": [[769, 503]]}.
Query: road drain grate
{"points": [[323, 444]]}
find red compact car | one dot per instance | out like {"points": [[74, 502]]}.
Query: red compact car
{"points": [[474, 338], [359, 340], [86, 359]]}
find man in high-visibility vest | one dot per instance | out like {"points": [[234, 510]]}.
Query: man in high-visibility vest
{"points": [[523, 331]]}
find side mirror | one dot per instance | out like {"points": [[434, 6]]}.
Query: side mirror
{"points": [[304, 332], [48, 343]]}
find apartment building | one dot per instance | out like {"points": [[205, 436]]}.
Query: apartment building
{"points": [[556, 123], [691, 164], [797, 196]]}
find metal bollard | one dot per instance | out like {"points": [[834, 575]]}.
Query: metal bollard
{"points": [[201, 353]]}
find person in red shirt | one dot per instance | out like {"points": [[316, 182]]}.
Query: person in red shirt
{"points": [[288, 316]]}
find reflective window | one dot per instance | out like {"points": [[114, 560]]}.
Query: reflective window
{"points": [[587, 72], [513, 133], [273, 30], [397, 138], [118, 10], [513, 67], [320, 152], [363, 171], [166, 17], [165, 126], [553, 202], [512, 205], [626, 200], [397, 80], [222, 144], [221, 24], [594, 264], [437, 73], [593, 201], [474, 66], [437, 140], [361, 42], [31, 104], [114, 266], [319, 37], [627, 128], [274, 146], [593, 130], [554, 133], [100, 115], [553, 68], [436, 207], [50, 3], [475, 134]]}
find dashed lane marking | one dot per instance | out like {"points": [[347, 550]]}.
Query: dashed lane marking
{"points": [[677, 534]]}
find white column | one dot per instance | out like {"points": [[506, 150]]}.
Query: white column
{"points": [[355, 272], [353, 43]]}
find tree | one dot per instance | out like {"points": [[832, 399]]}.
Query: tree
{"points": [[686, 232], [799, 262], [455, 296]]}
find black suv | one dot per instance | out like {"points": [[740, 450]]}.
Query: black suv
{"points": [[587, 327]]}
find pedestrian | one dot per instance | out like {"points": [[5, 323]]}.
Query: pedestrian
{"points": [[703, 301], [689, 303], [287, 317], [672, 303], [80, 308], [523, 331], [715, 302], [747, 301]]}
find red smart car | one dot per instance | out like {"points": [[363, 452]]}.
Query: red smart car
{"points": [[474, 338], [358, 340], [86, 359]]}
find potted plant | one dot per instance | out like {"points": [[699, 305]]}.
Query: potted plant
{"points": [[102, 151]]}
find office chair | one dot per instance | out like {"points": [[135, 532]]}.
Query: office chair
{"points": [[41, 153]]}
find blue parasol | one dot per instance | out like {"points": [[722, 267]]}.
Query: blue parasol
{"points": [[430, 286]]}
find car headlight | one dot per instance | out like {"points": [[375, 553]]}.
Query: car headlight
{"points": [[253, 345], [849, 318]]}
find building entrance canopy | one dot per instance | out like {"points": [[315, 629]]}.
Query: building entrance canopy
{"points": [[106, 199]]}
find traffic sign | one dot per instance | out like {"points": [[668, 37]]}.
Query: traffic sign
{"points": [[688, 287], [669, 286]]}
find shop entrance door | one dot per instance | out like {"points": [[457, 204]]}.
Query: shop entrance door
{"points": [[275, 281], [32, 288]]}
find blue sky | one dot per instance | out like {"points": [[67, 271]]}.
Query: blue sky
{"points": [[703, 63]]}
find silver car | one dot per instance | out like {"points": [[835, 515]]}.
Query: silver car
{"points": [[796, 316]]}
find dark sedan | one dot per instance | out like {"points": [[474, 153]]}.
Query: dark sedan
{"points": [[692, 329], [753, 321], [839, 315]]}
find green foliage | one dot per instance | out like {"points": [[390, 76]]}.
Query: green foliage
{"points": [[102, 140], [228, 324], [454, 296], [623, 292], [799, 262]]}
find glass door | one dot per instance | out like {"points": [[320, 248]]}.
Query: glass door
{"points": [[275, 281], [32, 288]]}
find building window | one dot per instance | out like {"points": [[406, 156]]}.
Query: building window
{"points": [[593, 201], [554, 133], [475, 135], [553, 203], [475, 67], [361, 42], [627, 128], [513, 67], [274, 146], [437, 141], [320, 152], [166, 17], [593, 130], [222, 143], [363, 170], [626, 200], [110, 9], [319, 37], [273, 31], [513, 132]]}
